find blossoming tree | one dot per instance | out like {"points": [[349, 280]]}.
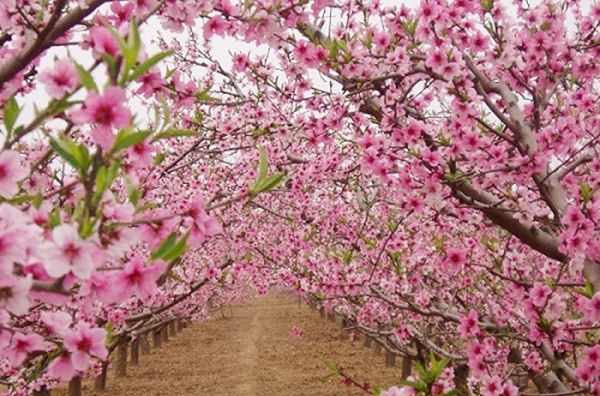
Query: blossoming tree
{"points": [[430, 172]]}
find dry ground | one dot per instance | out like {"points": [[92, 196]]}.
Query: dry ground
{"points": [[249, 353]]}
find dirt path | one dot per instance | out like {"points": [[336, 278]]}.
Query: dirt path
{"points": [[251, 353]]}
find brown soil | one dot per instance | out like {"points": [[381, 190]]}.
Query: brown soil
{"points": [[250, 352]]}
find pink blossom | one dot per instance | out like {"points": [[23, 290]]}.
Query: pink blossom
{"points": [[404, 391], [121, 13], [555, 307], [141, 154], [476, 351], [11, 172], [492, 386], [151, 83], [203, 225], [106, 112], [539, 294], [573, 216], [455, 258], [61, 79], [216, 25], [100, 288], [212, 273], [84, 342], [14, 294], [510, 389], [593, 307], [477, 367], [61, 368], [403, 333], [469, 324], [68, 253], [139, 278], [296, 332], [533, 361], [21, 345], [240, 62], [103, 41], [57, 322], [436, 59]]}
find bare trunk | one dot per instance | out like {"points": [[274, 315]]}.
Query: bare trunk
{"points": [[135, 351], [406, 367], [100, 382], [164, 332], [122, 359], [145, 344], [75, 387], [390, 359], [156, 339], [377, 347]]}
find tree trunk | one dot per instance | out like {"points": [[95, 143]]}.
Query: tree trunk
{"points": [[390, 359], [179, 325], [75, 387], [548, 383], [368, 341], [172, 328], [406, 367], [100, 382], [377, 347], [164, 331], [122, 359], [156, 339], [145, 344], [135, 351]]}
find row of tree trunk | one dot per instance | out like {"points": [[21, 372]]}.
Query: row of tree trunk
{"points": [[128, 346]]}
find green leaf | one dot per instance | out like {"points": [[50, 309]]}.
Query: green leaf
{"points": [[412, 384], [204, 96], [38, 200], [141, 69], [70, 152], [271, 182], [86, 78], [177, 250], [487, 5], [133, 193], [164, 247], [87, 227], [54, 217], [263, 165], [159, 158], [11, 113], [133, 40], [587, 192], [333, 366], [102, 182], [410, 26], [588, 290], [126, 138], [166, 110], [172, 132], [21, 199], [109, 332]]}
